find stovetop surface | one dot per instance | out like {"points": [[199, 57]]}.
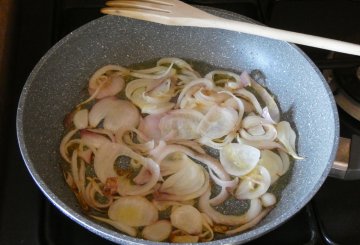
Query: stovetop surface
{"points": [[27, 217]]}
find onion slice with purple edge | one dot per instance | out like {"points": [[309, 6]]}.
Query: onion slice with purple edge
{"points": [[273, 109], [117, 114]]}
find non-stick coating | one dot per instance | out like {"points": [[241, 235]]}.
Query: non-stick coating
{"points": [[55, 86]]}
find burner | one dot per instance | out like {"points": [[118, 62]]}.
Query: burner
{"points": [[342, 73], [348, 104], [349, 81]]}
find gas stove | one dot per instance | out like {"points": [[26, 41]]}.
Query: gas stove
{"points": [[331, 217]]}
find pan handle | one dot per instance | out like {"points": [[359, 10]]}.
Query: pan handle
{"points": [[347, 162]]}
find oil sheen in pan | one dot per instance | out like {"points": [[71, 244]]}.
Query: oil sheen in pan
{"points": [[232, 206]]}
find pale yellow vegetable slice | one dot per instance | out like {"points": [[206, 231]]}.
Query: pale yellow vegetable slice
{"points": [[286, 135], [134, 211], [268, 199], [273, 163], [81, 119], [187, 218], [158, 231], [239, 159], [254, 184]]}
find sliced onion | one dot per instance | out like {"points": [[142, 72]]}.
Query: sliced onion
{"points": [[209, 161], [226, 187], [266, 115], [201, 82], [91, 193], [285, 160], [161, 91], [81, 119], [208, 233], [274, 111], [250, 224], [118, 225], [186, 180], [193, 145], [105, 159], [173, 163], [107, 85], [187, 218], [251, 121], [75, 170], [254, 184], [138, 147], [86, 155], [228, 184], [136, 85], [92, 139], [133, 211], [243, 93], [240, 108], [126, 188], [165, 204], [287, 137], [63, 149], [208, 99], [273, 163], [268, 199], [142, 177], [261, 145], [239, 159], [163, 146], [155, 69], [218, 122], [176, 61], [184, 239], [236, 80], [257, 130], [161, 106], [190, 74], [180, 124], [117, 114], [219, 218], [218, 143], [245, 79], [110, 135], [104, 168], [186, 195], [152, 95], [189, 102], [158, 109], [269, 135], [158, 231], [156, 73]]}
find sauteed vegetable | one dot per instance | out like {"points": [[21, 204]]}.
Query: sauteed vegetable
{"points": [[156, 152]]}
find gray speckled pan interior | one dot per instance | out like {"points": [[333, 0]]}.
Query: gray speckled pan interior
{"points": [[55, 86]]}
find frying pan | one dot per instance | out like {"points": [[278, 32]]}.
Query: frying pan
{"points": [[57, 83]]}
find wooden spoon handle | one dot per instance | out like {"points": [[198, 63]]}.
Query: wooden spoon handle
{"points": [[289, 36]]}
